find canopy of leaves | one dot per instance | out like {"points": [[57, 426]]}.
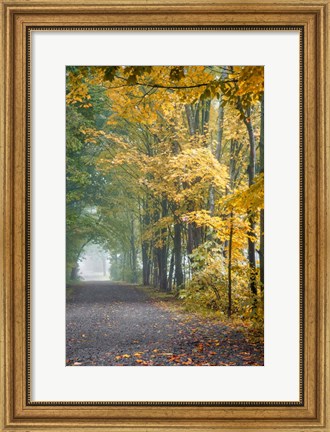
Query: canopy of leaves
{"points": [[157, 162]]}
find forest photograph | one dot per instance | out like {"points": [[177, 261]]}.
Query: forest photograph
{"points": [[165, 215]]}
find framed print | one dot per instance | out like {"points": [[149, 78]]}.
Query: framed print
{"points": [[165, 197]]}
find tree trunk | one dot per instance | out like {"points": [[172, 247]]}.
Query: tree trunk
{"points": [[252, 161], [190, 118], [74, 272], [262, 212], [232, 173], [75, 269], [170, 273], [178, 255], [197, 235], [230, 248], [251, 171], [252, 256], [162, 252], [155, 279], [145, 264], [133, 251], [218, 151], [262, 247], [196, 119], [162, 268], [123, 267], [145, 245]]}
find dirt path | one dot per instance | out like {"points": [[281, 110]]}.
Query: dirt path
{"points": [[108, 324]]}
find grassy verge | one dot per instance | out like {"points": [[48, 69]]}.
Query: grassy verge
{"points": [[253, 332], [156, 294]]}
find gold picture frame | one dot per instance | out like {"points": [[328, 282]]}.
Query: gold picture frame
{"points": [[17, 411]]}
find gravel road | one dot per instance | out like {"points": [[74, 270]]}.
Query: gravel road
{"points": [[111, 324]]}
